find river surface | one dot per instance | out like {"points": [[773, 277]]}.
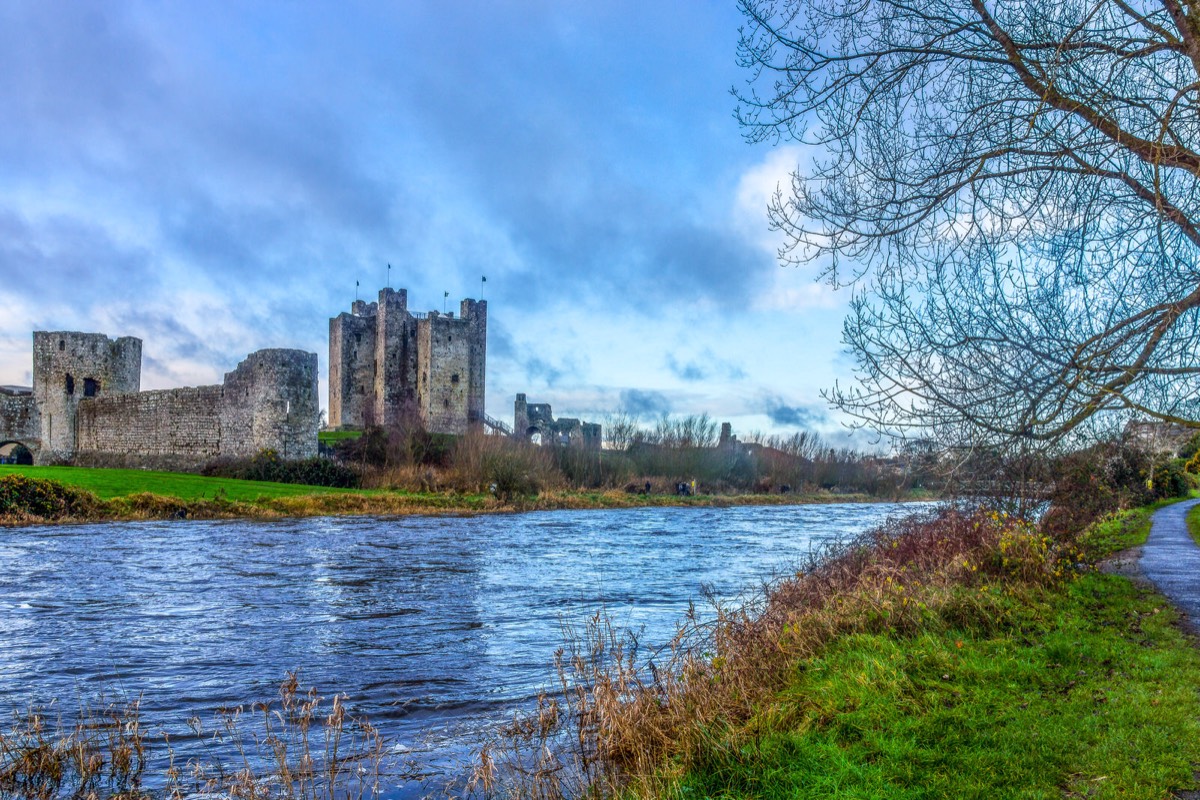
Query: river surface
{"points": [[434, 627]]}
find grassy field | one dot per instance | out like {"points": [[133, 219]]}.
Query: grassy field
{"points": [[1085, 688], [1088, 691], [122, 494], [110, 483]]}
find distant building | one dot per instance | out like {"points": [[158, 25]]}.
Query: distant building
{"points": [[386, 363], [1158, 437]]}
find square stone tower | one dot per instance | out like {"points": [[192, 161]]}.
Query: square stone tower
{"points": [[387, 364], [69, 366]]}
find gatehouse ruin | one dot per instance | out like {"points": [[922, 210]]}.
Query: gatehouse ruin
{"points": [[86, 407], [535, 422]]}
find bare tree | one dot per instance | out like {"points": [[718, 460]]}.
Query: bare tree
{"points": [[621, 429], [693, 430], [1013, 189]]}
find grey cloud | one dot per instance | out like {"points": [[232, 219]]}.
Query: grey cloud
{"points": [[705, 367], [539, 369], [795, 416], [689, 371], [643, 403], [61, 260], [277, 175]]}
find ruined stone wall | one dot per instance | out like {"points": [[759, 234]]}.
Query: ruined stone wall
{"points": [[19, 420], [535, 422], [69, 367], [443, 372], [270, 402], [178, 428]]}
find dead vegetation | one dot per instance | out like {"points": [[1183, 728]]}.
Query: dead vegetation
{"points": [[301, 746], [624, 721]]}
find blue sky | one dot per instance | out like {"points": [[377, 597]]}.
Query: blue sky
{"points": [[215, 178]]}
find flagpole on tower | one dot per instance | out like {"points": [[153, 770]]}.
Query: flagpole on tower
{"points": [[444, 296], [389, 282], [356, 291], [482, 281]]}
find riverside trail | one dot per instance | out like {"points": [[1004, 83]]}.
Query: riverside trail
{"points": [[1171, 560]]}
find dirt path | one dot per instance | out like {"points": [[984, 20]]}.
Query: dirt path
{"points": [[1171, 560]]}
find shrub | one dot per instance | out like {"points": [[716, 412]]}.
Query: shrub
{"points": [[399, 446], [268, 466], [21, 496], [1097, 481], [1170, 480], [515, 468]]}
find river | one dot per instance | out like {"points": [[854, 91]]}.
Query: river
{"points": [[434, 627]]}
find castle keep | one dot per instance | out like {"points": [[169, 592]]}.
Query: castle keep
{"points": [[387, 364], [85, 407]]}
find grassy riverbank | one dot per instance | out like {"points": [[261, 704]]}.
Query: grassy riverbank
{"points": [[116, 494], [965, 657], [1087, 690]]}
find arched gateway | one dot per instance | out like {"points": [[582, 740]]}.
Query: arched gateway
{"points": [[15, 453]]}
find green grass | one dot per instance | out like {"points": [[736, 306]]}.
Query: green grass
{"points": [[1125, 529], [1085, 691], [1120, 531], [1193, 523], [109, 483], [331, 437]]}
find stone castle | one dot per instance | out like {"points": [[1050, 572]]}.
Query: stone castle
{"points": [[387, 364], [86, 407], [535, 422]]}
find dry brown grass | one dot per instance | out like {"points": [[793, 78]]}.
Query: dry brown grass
{"points": [[623, 721], [103, 754], [298, 747]]}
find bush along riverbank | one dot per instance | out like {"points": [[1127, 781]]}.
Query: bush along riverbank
{"points": [[959, 655], [38, 495]]}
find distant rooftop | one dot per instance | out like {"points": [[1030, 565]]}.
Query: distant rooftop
{"points": [[16, 390]]}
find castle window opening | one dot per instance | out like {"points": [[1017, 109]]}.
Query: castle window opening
{"points": [[454, 378], [70, 384], [90, 387], [61, 345]]}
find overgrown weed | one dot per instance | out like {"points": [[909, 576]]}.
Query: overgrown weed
{"points": [[628, 723], [301, 746]]}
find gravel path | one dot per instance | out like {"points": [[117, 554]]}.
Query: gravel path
{"points": [[1171, 560]]}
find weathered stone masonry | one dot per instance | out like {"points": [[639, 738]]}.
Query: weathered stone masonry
{"points": [[535, 422], [85, 407], [386, 362]]}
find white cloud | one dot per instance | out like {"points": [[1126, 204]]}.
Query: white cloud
{"points": [[755, 189]]}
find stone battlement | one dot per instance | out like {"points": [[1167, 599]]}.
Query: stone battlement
{"points": [[86, 406], [387, 363]]}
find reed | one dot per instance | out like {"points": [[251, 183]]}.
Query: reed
{"points": [[299, 746]]}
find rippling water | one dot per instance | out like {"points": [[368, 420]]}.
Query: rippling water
{"points": [[432, 625]]}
